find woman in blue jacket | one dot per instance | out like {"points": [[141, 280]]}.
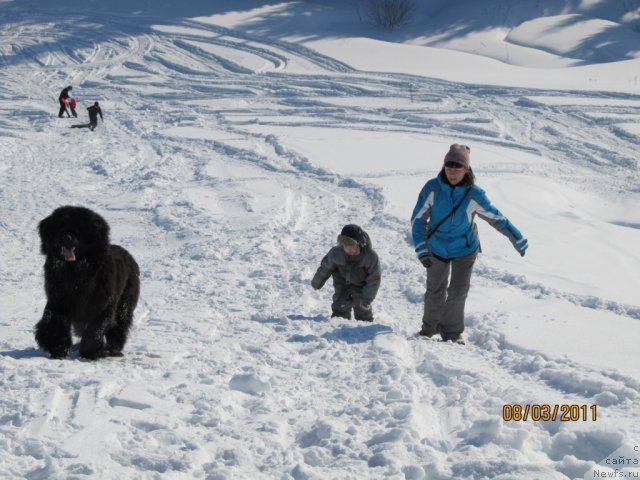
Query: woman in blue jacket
{"points": [[446, 240]]}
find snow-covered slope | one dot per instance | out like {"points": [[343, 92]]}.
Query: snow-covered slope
{"points": [[238, 139]]}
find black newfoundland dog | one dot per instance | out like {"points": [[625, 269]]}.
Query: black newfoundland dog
{"points": [[92, 286]]}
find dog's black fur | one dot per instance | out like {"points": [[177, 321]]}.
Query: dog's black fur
{"points": [[92, 286]]}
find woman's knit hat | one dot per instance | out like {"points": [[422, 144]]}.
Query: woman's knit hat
{"points": [[352, 235], [459, 154]]}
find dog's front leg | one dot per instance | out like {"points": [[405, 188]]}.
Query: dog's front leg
{"points": [[53, 333], [92, 344]]}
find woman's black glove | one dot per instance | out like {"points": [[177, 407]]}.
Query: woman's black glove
{"points": [[426, 261]]}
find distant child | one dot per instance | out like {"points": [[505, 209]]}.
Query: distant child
{"points": [[355, 269], [72, 107], [94, 111]]}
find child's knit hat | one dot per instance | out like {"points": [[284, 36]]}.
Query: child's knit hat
{"points": [[352, 235]]}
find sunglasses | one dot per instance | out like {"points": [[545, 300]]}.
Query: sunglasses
{"points": [[453, 165]]}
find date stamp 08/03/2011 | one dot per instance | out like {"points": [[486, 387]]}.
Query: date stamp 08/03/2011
{"points": [[549, 412]]}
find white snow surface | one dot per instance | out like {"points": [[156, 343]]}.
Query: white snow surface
{"points": [[238, 138]]}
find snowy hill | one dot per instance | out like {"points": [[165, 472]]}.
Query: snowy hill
{"points": [[239, 136]]}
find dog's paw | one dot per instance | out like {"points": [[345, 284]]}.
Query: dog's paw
{"points": [[93, 354], [92, 350], [58, 351], [59, 354]]}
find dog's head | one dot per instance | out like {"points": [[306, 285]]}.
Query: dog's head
{"points": [[73, 233]]}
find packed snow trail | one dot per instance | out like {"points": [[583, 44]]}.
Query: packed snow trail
{"points": [[234, 368]]}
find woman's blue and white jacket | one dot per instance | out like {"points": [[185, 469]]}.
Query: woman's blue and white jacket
{"points": [[458, 235]]}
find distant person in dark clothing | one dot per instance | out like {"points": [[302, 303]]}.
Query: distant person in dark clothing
{"points": [[64, 101], [94, 111]]}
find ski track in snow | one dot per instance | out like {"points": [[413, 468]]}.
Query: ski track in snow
{"points": [[233, 368]]}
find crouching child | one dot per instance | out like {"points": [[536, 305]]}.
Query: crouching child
{"points": [[355, 269]]}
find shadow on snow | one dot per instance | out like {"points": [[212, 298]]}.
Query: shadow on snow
{"points": [[347, 334]]}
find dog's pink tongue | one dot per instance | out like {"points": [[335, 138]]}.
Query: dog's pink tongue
{"points": [[69, 254]]}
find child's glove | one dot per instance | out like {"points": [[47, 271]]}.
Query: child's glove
{"points": [[316, 283]]}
